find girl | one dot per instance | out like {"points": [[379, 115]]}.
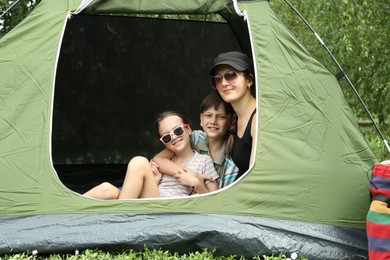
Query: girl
{"points": [[140, 182], [233, 79]]}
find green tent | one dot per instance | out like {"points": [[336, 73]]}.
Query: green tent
{"points": [[81, 82]]}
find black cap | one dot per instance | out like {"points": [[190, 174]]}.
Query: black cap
{"points": [[236, 59]]}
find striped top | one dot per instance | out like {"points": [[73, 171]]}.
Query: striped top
{"points": [[170, 187]]}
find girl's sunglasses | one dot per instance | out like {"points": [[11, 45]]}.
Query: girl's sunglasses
{"points": [[230, 77], [177, 131]]}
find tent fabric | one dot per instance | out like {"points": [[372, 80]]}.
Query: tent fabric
{"points": [[246, 236], [311, 161]]}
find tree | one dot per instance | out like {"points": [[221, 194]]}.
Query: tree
{"points": [[18, 11]]}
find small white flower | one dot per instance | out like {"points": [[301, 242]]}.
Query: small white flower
{"points": [[35, 252], [294, 256], [76, 252], [288, 258]]}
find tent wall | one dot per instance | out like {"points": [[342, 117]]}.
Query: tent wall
{"points": [[310, 150], [303, 119]]}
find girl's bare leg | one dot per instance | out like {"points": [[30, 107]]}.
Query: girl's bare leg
{"points": [[139, 180], [104, 191]]}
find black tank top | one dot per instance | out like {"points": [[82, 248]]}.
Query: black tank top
{"points": [[242, 148]]}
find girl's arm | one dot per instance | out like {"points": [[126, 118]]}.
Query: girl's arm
{"points": [[197, 181], [212, 186]]}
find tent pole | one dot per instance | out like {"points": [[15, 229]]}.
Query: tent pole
{"points": [[238, 11], [342, 74], [9, 8]]}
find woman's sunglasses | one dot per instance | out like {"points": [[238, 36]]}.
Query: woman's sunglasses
{"points": [[230, 77], [178, 131]]}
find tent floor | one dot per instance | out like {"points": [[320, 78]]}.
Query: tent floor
{"points": [[82, 177]]}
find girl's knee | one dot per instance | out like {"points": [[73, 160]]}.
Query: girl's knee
{"points": [[138, 162], [106, 186], [139, 159], [139, 166], [104, 191], [109, 191]]}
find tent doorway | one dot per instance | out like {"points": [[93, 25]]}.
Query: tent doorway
{"points": [[115, 75]]}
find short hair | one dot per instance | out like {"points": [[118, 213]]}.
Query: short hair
{"points": [[214, 100]]}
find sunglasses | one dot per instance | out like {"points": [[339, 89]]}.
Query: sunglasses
{"points": [[177, 131], [230, 77]]}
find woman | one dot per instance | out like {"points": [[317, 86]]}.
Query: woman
{"points": [[232, 77], [140, 182]]}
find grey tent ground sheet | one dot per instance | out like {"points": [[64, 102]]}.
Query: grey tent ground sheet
{"points": [[183, 233]]}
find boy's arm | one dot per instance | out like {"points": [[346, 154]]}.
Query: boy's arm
{"points": [[165, 165], [164, 161], [206, 182]]}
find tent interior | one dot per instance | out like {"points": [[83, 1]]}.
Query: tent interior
{"points": [[113, 79]]}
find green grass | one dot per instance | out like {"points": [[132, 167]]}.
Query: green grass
{"points": [[145, 254]]}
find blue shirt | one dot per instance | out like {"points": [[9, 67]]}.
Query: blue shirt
{"points": [[223, 163]]}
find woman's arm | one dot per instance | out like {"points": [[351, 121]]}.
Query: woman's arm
{"points": [[253, 134]]}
